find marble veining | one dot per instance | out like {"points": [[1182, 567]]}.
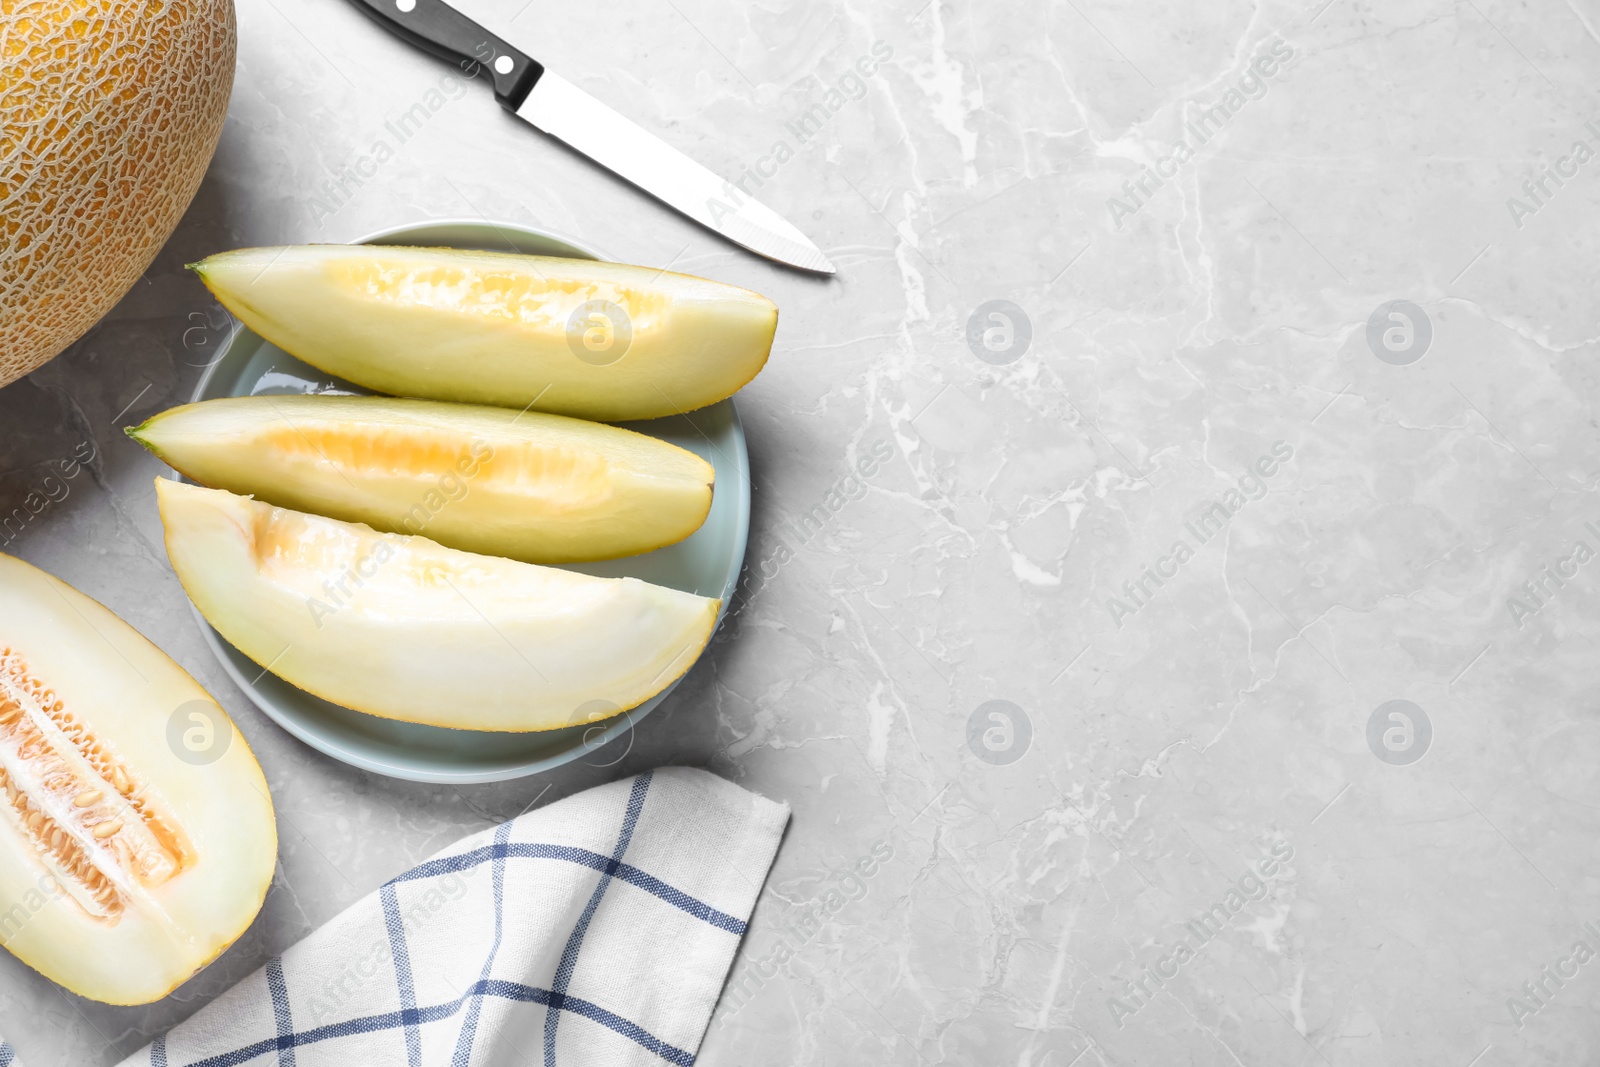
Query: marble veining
{"points": [[1172, 595]]}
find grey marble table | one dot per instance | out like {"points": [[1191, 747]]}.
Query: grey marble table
{"points": [[1085, 697]]}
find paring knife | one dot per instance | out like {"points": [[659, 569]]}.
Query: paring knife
{"points": [[562, 110]]}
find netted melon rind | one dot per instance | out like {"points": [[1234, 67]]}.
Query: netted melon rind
{"points": [[108, 119]]}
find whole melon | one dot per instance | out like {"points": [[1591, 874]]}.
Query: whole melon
{"points": [[109, 113]]}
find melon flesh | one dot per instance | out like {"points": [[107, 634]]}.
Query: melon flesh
{"points": [[124, 868], [497, 328], [534, 487], [406, 629]]}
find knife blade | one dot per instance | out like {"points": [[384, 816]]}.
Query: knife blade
{"points": [[557, 107]]}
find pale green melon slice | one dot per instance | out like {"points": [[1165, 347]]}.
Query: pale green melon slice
{"points": [[597, 340], [535, 487], [407, 629]]}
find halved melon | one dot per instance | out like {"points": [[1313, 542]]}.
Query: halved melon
{"points": [[407, 629], [535, 487], [596, 340], [137, 839]]}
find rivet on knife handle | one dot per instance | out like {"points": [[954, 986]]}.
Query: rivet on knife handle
{"points": [[440, 29]]}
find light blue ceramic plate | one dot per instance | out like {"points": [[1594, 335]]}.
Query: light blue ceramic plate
{"points": [[707, 563]]}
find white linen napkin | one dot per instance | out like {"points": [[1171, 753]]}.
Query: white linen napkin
{"points": [[597, 930]]}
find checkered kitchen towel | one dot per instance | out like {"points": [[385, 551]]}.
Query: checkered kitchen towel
{"points": [[597, 930]]}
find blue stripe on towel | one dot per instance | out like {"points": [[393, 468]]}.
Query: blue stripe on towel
{"points": [[569, 957], [280, 1012], [555, 1000], [489, 988], [469, 1027], [594, 860], [402, 973]]}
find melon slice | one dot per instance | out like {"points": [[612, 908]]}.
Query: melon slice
{"points": [[535, 487], [407, 629], [137, 839], [596, 340]]}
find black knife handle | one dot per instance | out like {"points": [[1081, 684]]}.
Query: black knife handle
{"points": [[434, 26]]}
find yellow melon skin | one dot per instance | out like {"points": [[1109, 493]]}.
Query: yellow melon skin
{"points": [[110, 111], [137, 837]]}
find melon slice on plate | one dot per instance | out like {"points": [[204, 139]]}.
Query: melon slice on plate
{"points": [[407, 629], [535, 487], [137, 838], [574, 336]]}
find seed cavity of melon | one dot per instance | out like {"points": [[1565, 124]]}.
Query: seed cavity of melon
{"points": [[564, 479], [89, 819], [512, 296]]}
